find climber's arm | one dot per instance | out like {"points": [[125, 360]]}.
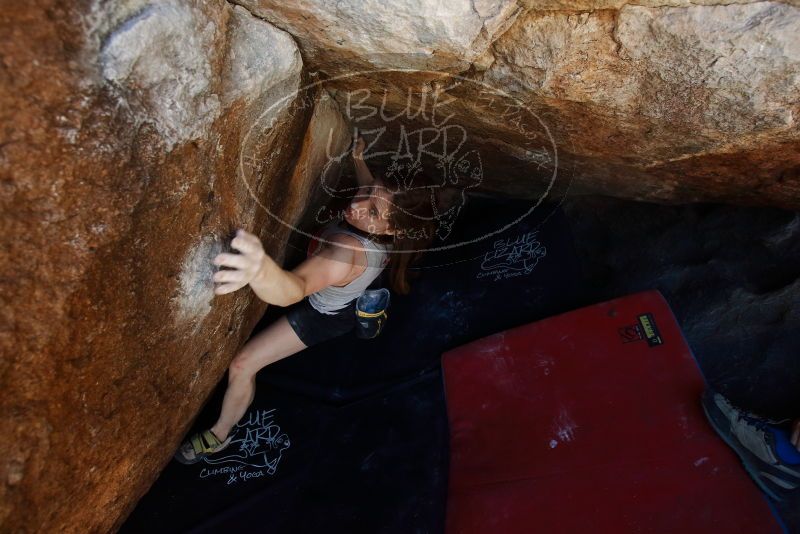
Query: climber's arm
{"points": [[363, 174], [332, 264], [270, 282], [275, 285]]}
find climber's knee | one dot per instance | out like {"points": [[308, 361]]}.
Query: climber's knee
{"points": [[241, 366]]}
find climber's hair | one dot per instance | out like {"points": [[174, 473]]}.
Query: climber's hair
{"points": [[413, 220]]}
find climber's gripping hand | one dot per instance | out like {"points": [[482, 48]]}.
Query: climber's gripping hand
{"points": [[251, 264]]}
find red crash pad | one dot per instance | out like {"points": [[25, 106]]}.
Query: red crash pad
{"points": [[590, 421]]}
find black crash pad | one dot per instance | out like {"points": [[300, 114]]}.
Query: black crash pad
{"points": [[351, 435]]}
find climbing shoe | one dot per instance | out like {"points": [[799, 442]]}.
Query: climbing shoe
{"points": [[762, 444], [371, 313], [200, 445]]}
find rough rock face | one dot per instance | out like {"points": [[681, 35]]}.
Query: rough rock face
{"points": [[439, 35], [675, 102], [324, 149], [138, 135], [136, 138]]}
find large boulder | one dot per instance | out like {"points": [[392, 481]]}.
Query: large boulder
{"points": [[137, 137], [667, 101]]}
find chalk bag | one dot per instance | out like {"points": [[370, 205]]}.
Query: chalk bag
{"points": [[371, 312]]}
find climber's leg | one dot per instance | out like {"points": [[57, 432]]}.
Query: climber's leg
{"points": [[275, 342], [302, 326]]}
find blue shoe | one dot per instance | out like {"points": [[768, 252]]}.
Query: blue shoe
{"points": [[764, 448]]}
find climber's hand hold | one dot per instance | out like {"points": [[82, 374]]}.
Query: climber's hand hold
{"points": [[358, 147], [244, 267]]}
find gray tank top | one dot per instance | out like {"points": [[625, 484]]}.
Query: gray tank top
{"points": [[331, 299]]}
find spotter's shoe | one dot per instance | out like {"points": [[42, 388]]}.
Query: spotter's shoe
{"points": [[762, 445]]}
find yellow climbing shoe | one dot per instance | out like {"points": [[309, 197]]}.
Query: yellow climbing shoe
{"points": [[199, 446]]}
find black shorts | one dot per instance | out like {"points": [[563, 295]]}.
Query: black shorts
{"points": [[314, 327]]}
